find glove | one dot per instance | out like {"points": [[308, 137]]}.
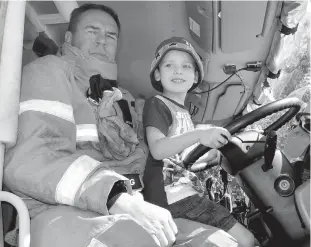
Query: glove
{"points": [[98, 85]]}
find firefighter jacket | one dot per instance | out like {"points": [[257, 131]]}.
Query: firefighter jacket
{"points": [[56, 159]]}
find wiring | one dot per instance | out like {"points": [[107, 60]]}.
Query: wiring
{"points": [[240, 77], [224, 179], [236, 73], [244, 90]]}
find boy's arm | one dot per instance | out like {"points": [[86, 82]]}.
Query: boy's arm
{"points": [[162, 147], [157, 120], [204, 126]]}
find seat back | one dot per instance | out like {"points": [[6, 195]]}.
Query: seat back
{"points": [[12, 16], [302, 198]]}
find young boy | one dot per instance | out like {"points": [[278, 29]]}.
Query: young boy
{"points": [[170, 133]]}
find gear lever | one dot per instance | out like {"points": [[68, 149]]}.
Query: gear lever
{"points": [[270, 147]]}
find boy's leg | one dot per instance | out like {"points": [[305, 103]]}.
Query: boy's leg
{"points": [[203, 210]]}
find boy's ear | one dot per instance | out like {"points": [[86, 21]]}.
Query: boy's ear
{"points": [[157, 75], [68, 37], [196, 77]]}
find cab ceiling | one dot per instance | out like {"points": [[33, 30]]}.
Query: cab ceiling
{"points": [[144, 24]]}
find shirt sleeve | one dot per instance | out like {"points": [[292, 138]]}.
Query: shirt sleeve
{"points": [[157, 114]]}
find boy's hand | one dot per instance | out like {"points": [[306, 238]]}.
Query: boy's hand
{"points": [[215, 137]]}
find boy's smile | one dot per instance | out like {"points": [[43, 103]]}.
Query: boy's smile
{"points": [[176, 68], [178, 80]]}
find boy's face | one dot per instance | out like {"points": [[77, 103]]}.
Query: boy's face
{"points": [[96, 35], [176, 72]]}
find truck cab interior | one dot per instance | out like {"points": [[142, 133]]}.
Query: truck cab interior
{"points": [[243, 45]]}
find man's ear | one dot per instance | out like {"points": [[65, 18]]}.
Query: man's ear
{"points": [[157, 75], [196, 77], [68, 37]]}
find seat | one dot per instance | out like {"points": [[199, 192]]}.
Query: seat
{"points": [[302, 199], [10, 70]]}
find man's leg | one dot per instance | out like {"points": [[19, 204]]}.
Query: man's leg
{"points": [[243, 235], [64, 226], [201, 209]]}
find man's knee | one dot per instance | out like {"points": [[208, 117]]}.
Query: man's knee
{"points": [[243, 235], [191, 233], [247, 239]]}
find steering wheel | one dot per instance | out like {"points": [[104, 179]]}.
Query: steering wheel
{"points": [[293, 104]]}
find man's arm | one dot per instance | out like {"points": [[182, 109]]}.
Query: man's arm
{"points": [[45, 163]]}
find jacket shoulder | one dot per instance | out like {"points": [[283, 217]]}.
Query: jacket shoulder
{"points": [[50, 62]]}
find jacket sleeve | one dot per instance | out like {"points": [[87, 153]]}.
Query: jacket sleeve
{"points": [[45, 163]]}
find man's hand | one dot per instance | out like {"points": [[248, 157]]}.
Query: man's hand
{"points": [[215, 137], [156, 220]]}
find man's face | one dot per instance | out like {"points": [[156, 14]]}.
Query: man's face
{"points": [[96, 35]]}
